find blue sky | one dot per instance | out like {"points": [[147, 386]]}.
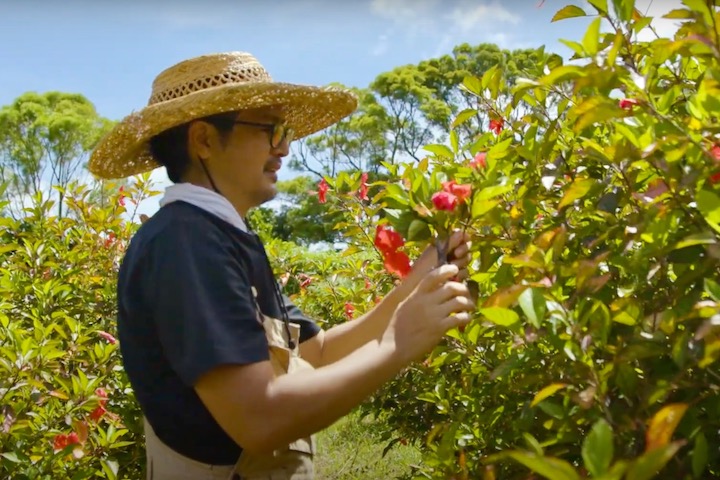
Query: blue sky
{"points": [[111, 51]]}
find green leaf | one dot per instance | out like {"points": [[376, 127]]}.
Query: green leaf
{"points": [[709, 205], [463, 117], [649, 464], [562, 74], [533, 305], [624, 9], [592, 37], [493, 191], [699, 456], [472, 84], [713, 289], [679, 14], [500, 316], [481, 206], [600, 5], [547, 392], [578, 189], [549, 467], [702, 238], [110, 467], [597, 449], [440, 150], [418, 231], [454, 141], [12, 456], [569, 11]]}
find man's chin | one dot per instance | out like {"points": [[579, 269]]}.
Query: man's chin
{"points": [[268, 196]]}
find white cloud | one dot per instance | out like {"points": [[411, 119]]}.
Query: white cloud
{"points": [[448, 22], [467, 17]]}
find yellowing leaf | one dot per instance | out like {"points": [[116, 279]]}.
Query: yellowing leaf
{"points": [[58, 394], [663, 425], [548, 467], [546, 392], [500, 316], [569, 11], [480, 206], [591, 38], [505, 297], [578, 189]]}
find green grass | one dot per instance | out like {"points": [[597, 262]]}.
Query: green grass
{"points": [[350, 450]]}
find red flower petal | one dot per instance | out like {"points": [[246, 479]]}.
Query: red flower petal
{"points": [[444, 201]]}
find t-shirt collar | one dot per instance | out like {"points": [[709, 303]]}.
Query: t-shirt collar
{"points": [[206, 199]]}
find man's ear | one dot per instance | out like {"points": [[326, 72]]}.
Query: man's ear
{"points": [[200, 140]]}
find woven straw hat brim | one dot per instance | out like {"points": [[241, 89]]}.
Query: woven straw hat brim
{"points": [[124, 151]]}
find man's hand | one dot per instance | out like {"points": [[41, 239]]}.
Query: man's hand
{"points": [[458, 253]]}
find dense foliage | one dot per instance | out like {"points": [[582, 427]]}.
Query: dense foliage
{"points": [[596, 219], [591, 189]]}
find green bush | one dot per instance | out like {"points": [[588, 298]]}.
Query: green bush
{"points": [[595, 219], [67, 407]]}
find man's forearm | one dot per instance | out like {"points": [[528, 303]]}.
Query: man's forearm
{"points": [[323, 396]]}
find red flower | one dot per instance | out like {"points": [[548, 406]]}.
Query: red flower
{"points": [[368, 285], [715, 177], [121, 199], [479, 161], [322, 190], [388, 242], [363, 186], [627, 103], [110, 239], [496, 125], [62, 441], [100, 392], [98, 413], [716, 153], [349, 310], [108, 337], [462, 192], [444, 201]]}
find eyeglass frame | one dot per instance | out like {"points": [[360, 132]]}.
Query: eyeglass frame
{"points": [[286, 132]]}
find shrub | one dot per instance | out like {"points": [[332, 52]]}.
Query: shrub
{"points": [[67, 407], [595, 220]]}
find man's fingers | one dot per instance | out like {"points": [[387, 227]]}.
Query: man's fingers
{"points": [[438, 276], [457, 304], [460, 320], [457, 238], [463, 275]]}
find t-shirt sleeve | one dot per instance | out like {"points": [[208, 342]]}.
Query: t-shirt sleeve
{"points": [[202, 302], [308, 327]]}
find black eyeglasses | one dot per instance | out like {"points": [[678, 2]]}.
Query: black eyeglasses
{"points": [[278, 131]]}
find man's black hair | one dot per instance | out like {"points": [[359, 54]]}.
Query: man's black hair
{"points": [[170, 147]]}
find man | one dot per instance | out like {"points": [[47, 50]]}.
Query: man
{"points": [[232, 379]]}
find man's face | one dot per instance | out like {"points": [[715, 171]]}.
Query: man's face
{"points": [[244, 166]]}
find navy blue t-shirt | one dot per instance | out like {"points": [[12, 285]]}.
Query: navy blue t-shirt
{"points": [[185, 306]]}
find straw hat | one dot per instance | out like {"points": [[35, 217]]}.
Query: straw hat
{"points": [[208, 85]]}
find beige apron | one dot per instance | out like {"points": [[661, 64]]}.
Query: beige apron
{"points": [[294, 462]]}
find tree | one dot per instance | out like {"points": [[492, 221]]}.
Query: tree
{"points": [[300, 218], [412, 106], [44, 141], [356, 143]]}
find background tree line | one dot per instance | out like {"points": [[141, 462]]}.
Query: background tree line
{"points": [[45, 138]]}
